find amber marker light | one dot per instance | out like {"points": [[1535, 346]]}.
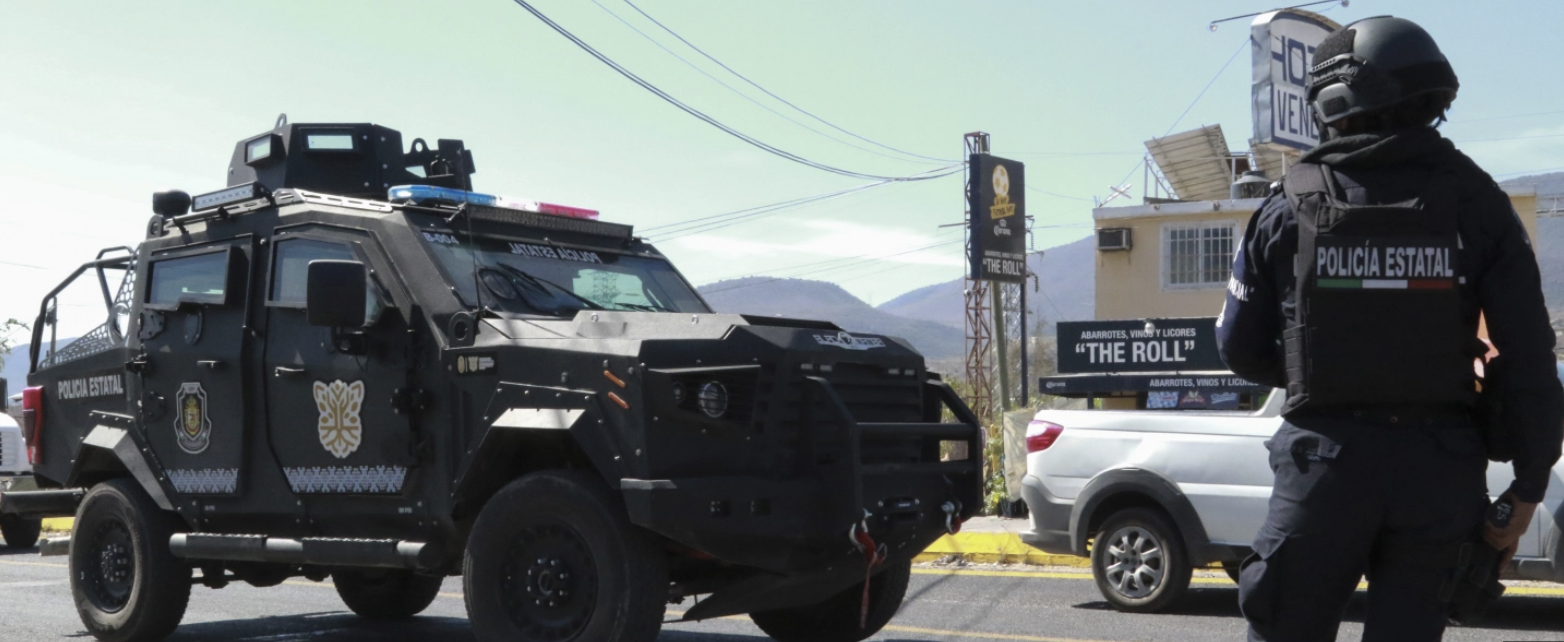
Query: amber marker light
{"points": [[622, 403], [617, 381]]}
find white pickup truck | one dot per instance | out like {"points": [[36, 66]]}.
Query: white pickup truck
{"points": [[1157, 493]]}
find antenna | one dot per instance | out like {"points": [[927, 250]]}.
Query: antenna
{"points": [[1344, 3]]}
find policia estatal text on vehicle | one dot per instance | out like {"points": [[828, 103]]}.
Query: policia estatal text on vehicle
{"points": [[1358, 288]]}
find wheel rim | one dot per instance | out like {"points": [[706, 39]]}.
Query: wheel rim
{"points": [[550, 582], [110, 568], [1135, 562]]}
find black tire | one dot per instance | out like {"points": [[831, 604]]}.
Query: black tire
{"points": [[19, 532], [1139, 561], [128, 587], [385, 594], [553, 557], [836, 619]]}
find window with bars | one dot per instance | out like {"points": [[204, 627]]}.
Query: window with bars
{"points": [[1197, 255]]}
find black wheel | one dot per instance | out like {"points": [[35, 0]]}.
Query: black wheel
{"points": [[385, 594], [1231, 568], [553, 557], [1139, 561], [20, 533], [836, 619], [128, 587]]}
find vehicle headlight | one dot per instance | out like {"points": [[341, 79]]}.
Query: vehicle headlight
{"points": [[713, 400]]}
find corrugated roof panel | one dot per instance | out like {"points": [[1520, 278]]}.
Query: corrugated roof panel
{"points": [[1196, 163]]}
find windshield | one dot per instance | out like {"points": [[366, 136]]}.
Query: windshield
{"points": [[544, 278]]}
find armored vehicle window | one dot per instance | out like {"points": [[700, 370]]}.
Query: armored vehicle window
{"points": [[541, 278], [291, 269], [201, 278]]}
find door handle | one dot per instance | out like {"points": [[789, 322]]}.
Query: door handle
{"points": [[285, 371], [213, 364]]}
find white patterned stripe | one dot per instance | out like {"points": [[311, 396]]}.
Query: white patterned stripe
{"points": [[346, 479], [205, 481]]}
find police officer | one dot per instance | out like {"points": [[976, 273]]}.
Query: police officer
{"points": [[1358, 288]]}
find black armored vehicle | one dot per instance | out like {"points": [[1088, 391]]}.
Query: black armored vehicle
{"points": [[348, 364]]}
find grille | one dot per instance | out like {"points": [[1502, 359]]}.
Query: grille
{"points": [[10, 450], [873, 395]]}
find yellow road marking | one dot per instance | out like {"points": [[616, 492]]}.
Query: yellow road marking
{"points": [[983, 636]]}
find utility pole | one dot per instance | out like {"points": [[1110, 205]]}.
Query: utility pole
{"points": [[978, 316]]}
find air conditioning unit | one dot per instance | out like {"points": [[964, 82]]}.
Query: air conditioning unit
{"points": [[1113, 239]]}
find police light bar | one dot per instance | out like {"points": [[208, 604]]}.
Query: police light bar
{"points": [[422, 194], [224, 197]]}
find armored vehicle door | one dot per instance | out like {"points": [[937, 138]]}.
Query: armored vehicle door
{"points": [[333, 416], [193, 336]]}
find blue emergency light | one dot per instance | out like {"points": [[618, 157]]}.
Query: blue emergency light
{"points": [[430, 194]]}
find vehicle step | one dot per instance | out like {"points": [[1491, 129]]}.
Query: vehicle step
{"points": [[39, 504], [320, 551]]}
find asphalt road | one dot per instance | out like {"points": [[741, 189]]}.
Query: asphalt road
{"points": [[943, 606]]}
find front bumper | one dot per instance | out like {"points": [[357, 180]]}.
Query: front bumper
{"points": [[804, 524]]}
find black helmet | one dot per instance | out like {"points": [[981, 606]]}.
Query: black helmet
{"points": [[1374, 63]]}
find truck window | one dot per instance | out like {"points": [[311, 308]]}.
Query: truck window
{"points": [[290, 272], [201, 278]]}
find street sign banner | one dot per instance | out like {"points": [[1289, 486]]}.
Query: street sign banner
{"points": [[997, 223], [1282, 46], [1137, 346]]}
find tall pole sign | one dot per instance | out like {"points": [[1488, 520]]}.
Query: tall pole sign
{"points": [[1282, 47], [998, 219]]}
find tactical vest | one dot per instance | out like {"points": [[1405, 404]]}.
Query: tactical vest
{"points": [[1379, 291]]}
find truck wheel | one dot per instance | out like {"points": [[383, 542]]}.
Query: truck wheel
{"points": [[19, 532], [128, 587], [1139, 562], [836, 619], [553, 557], [385, 594]]}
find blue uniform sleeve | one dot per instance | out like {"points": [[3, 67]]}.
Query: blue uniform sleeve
{"points": [[1249, 330]]}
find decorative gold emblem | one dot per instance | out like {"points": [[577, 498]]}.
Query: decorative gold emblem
{"points": [[339, 403], [192, 429], [1002, 206]]}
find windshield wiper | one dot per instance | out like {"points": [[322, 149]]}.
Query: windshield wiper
{"points": [[545, 284], [641, 307]]}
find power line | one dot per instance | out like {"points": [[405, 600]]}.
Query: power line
{"points": [[671, 231], [742, 94], [699, 114], [1072, 198], [768, 92], [1241, 46]]}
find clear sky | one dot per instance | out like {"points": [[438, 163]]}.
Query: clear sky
{"points": [[102, 103]]}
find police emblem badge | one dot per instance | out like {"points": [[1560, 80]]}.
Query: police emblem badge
{"points": [[340, 429], [192, 428]]}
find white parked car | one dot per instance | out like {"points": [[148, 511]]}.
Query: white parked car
{"points": [[14, 469], [1161, 492]]}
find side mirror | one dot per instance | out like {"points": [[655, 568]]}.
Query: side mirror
{"points": [[335, 294]]}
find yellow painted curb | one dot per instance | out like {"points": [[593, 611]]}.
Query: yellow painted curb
{"points": [[995, 548], [59, 524]]}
